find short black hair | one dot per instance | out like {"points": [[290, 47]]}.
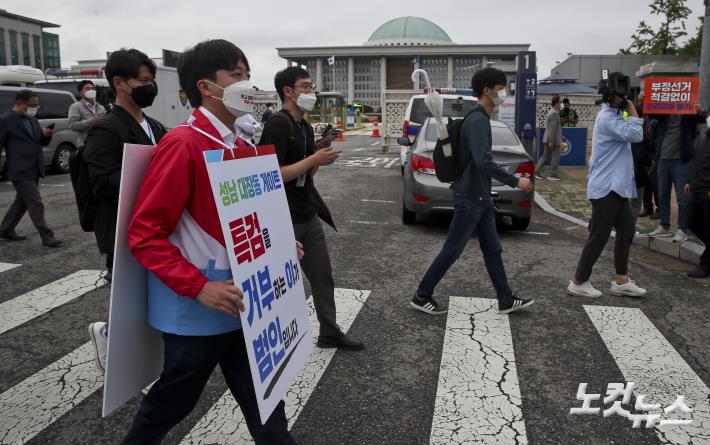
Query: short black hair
{"points": [[24, 96], [203, 61], [288, 78], [555, 100], [82, 83], [487, 78], [565, 101], [126, 64]]}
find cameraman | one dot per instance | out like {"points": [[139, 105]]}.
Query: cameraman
{"points": [[611, 186]]}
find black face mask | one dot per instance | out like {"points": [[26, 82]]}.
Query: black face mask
{"points": [[144, 95]]}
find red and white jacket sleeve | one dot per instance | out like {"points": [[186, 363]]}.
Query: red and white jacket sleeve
{"points": [[161, 202]]}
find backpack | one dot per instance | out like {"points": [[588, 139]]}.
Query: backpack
{"points": [[450, 168], [87, 204]]}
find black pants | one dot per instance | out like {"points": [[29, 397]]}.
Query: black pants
{"points": [[28, 200], [317, 269], [189, 362], [650, 192], [699, 223], [611, 211]]}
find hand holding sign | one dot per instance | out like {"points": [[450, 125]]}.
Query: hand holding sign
{"points": [[222, 296]]}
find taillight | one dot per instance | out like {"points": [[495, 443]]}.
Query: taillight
{"points": [[423, 165], [526, 168], [524, 204], [420, 198]]}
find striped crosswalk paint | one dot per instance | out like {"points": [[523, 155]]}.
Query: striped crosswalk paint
{"points": [[35, 403], [646, 358], [478, 397], [21, 309], [4, 267], [224, 423]]}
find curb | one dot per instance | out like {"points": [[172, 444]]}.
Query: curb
{"points": [[688, 251]]}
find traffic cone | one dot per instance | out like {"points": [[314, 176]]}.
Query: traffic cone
{"points": [[376, 130], [341, 133]]}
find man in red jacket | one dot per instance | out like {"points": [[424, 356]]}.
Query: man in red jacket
{"points": [[175, 233]]}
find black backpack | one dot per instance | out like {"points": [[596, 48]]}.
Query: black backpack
{"points": [[85, 201], [450, 168]]}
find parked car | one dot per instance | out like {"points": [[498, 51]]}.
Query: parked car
{"points": [[425, 194], [455, 105], [53, 108]]}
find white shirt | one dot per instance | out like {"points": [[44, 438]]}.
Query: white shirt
{"points": [[228, 136], [148, 131]]}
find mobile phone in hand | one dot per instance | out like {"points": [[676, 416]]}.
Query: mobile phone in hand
{"points": [[51, 126]]}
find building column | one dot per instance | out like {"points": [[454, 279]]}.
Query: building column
{"points": [[450, 73], [319, 74], [351, 80], [383, 81], [415, 83], [484, 62]]}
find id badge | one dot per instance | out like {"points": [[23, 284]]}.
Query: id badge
{"points": [[301, 181]]}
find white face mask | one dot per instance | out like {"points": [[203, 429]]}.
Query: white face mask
{"points": [[90, 95], [238, 97], [499, 99], [707, 121], [31, 111], [306, 101]]}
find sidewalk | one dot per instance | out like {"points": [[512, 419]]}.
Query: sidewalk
{"points": [[569, 196]]}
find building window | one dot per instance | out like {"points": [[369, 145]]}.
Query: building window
{"points": [[25, 48], [14, 55], [3, 56], [37, 47], [50, 44]]}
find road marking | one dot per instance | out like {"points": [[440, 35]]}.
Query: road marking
{"points": [[224, 423], [369, 223], [478, 398], [4, 267], [359, 149], [525, 232], [52, 185], [378, 201], [20, 310], [646, 358], [38, 401], [391, 163], [375, 143]]}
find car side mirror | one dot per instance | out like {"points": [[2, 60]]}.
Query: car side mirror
{"points": [[404, 141]]}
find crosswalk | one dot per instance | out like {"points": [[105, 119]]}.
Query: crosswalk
{"points": [[368, 162], [478, 395]]}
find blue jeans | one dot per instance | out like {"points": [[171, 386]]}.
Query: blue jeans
{"points": [[673, 173], [470, 216]]}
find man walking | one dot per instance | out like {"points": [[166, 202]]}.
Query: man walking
{"points": [[23, 139], [552, 140], [300, 156], [85, 113], [474, 211]]}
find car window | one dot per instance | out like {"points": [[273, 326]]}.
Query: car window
{"points": [[7, 100], [53, 105], [69, 87], [501, 135], [452, 107]]}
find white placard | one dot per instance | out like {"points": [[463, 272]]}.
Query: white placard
{"points": [[259, 237], [135, 350]]}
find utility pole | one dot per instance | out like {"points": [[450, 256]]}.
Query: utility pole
{"points": [[705, 60]]}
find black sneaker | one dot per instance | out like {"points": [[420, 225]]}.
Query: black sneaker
{"points": [[427, 305], [699, 272], [516, 305]]}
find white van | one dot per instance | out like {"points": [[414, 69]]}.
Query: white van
{"points": [[19, 75]]}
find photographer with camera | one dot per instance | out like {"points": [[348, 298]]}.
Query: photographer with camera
{"points": [[611, 186]]}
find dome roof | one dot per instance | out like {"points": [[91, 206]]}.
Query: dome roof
{"points": [[409, 31]]}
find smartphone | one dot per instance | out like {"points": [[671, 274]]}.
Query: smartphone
{"points": [[51, 126], [326, 131]]}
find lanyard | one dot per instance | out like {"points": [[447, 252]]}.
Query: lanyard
{"points": [[204, 133], [150, 132]]}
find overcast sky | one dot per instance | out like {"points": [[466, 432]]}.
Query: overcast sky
{"points": [[552, 27]]}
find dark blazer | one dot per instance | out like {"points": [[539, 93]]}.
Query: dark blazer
{"points": [[25, 160], [103, 154]]}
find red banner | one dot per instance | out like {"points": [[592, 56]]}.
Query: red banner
{"points": [[671, 95]]}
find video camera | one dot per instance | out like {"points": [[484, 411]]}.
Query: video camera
{"points": [[616, 85]]}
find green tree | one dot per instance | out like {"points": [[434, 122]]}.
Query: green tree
{"points": [[693, 45], [664, 40]]}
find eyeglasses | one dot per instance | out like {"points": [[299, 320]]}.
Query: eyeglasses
{"points": [[307, 86]]}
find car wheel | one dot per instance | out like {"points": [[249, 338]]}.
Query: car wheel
{"points": [[521, 223], [60, 163], [408, 217]]}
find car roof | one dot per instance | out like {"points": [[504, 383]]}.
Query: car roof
{"points": [[36, 90], [96, 80], [494, 122], [447, 96]]}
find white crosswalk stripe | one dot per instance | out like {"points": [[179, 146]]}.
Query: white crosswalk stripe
{"points": [[35, 403], [478, 397], [4, 267], [646, 358], [224, 423], [24, 308]]}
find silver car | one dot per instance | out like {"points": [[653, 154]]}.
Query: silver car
{"points": [[425, 194], [53, 109]]}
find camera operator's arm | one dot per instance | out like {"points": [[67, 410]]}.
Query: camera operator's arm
{"points": [[627, 130]]}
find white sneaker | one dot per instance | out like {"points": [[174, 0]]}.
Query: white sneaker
{"points": [[629, 289], [661, 231], [99, 337], [146, 390], [583, 290], [538, 177], [680, 236]]}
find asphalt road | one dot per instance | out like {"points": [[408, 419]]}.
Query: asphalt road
{"points": [[499, 379]]}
